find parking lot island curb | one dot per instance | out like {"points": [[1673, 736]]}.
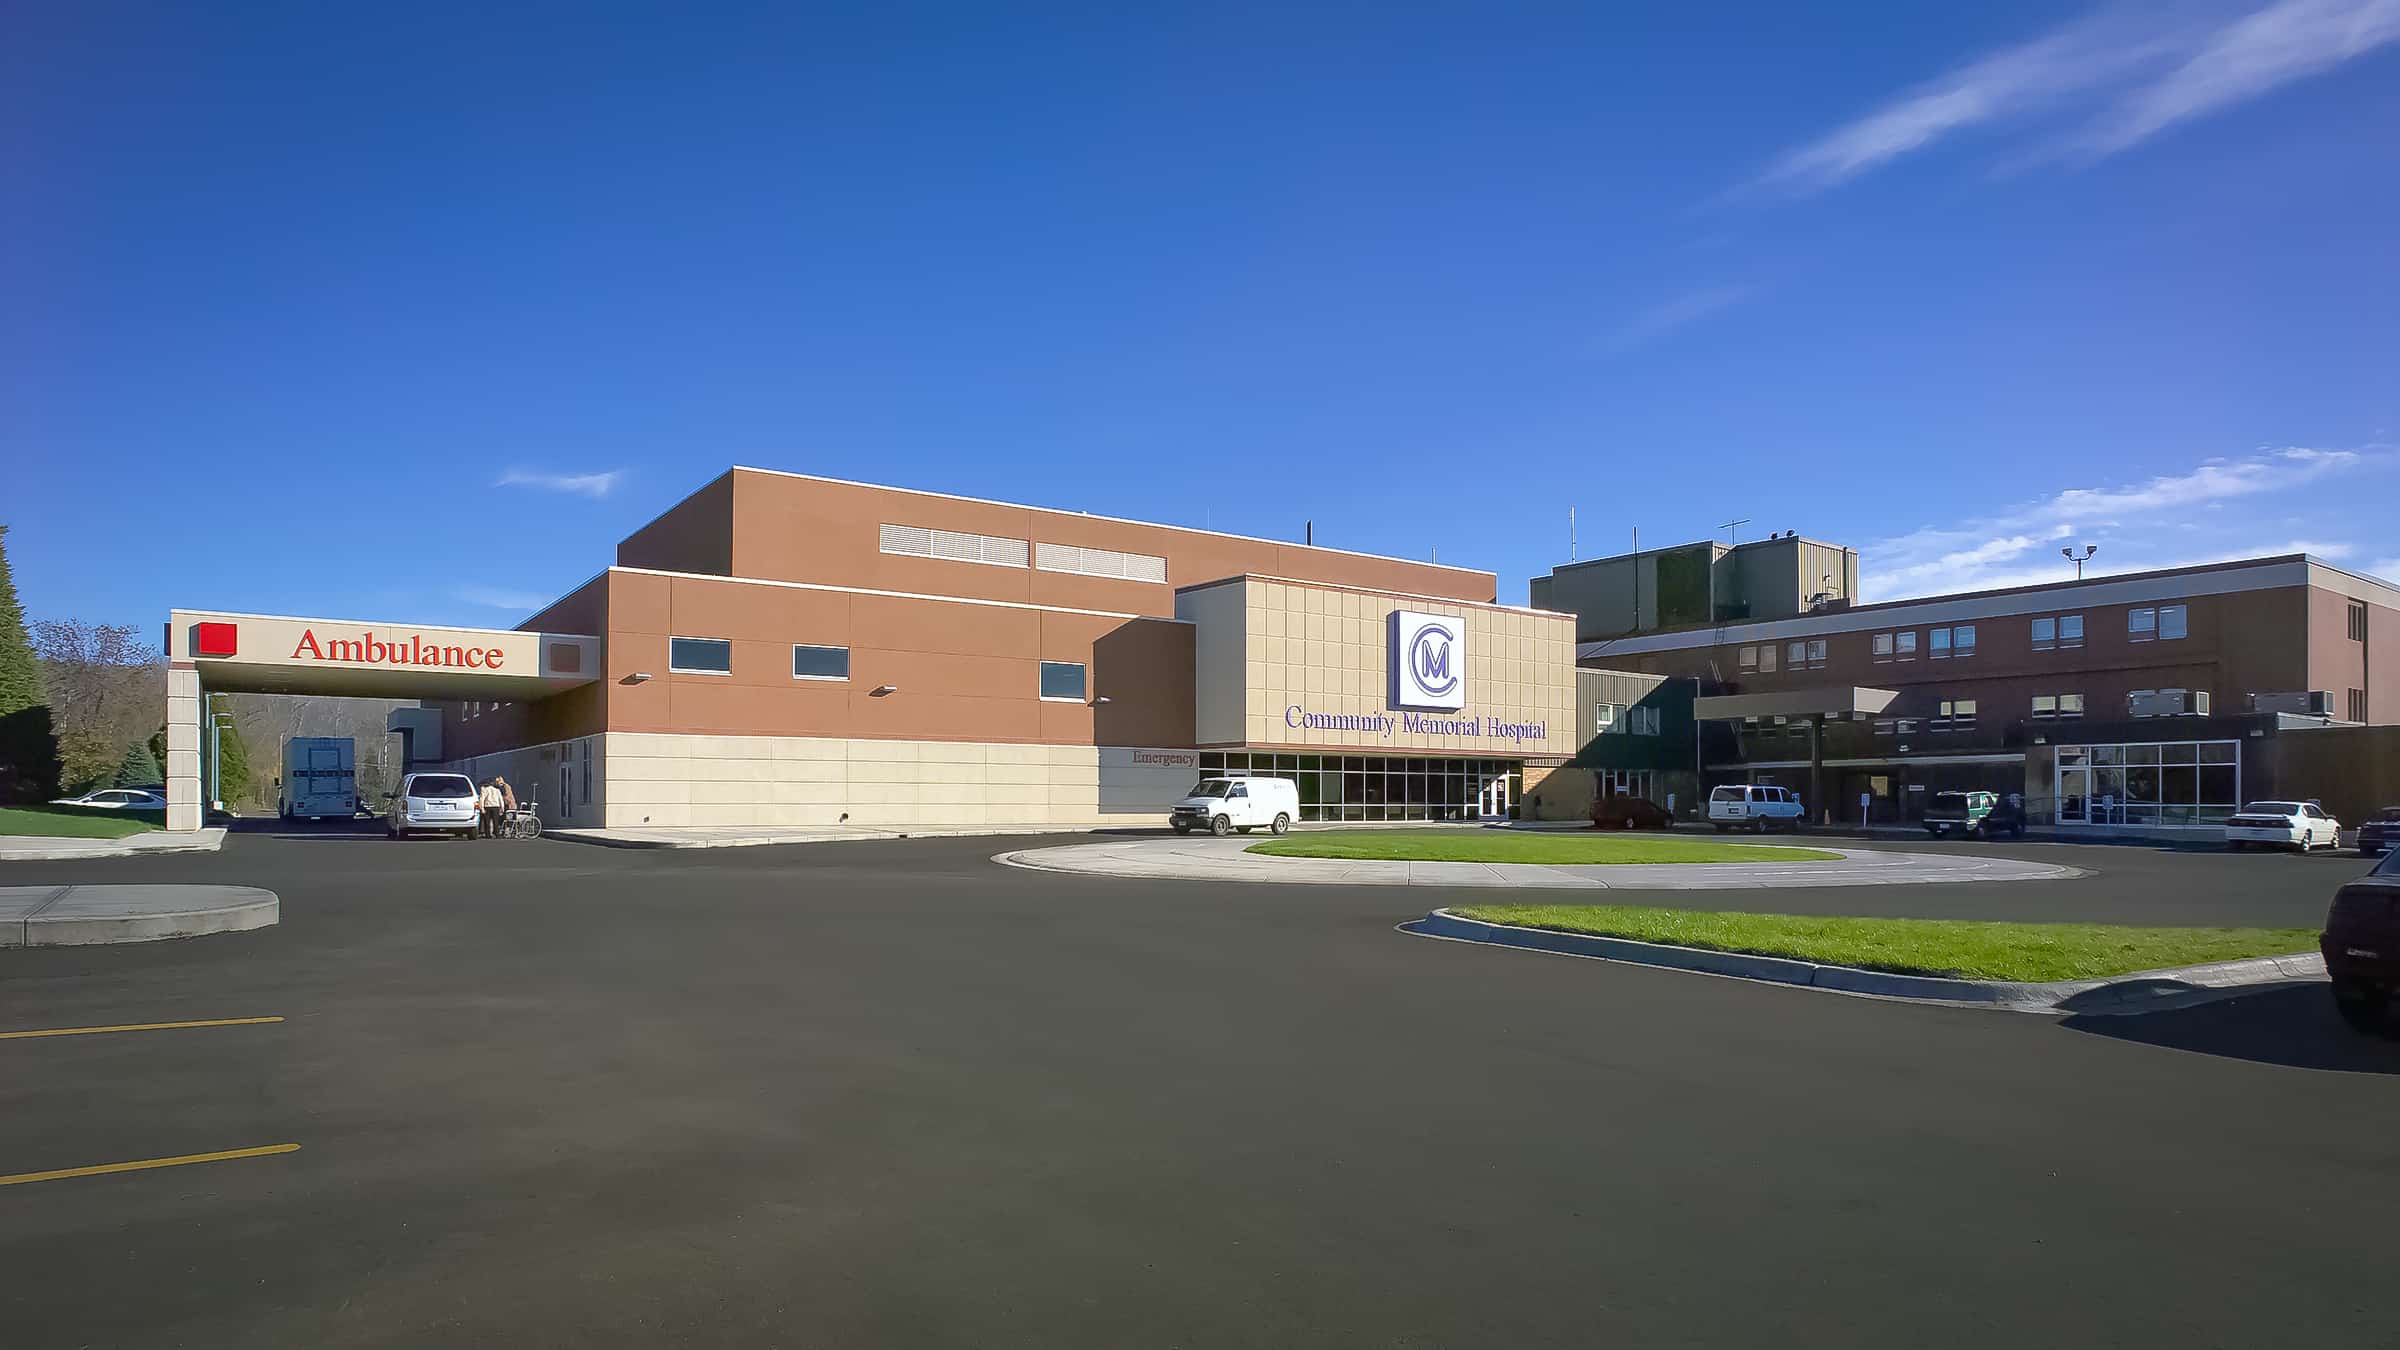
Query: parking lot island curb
{"points": [[85, 916], [50, 848], [2140, 992]]}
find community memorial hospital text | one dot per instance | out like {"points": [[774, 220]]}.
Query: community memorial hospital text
{"points": [[1417, 724]]}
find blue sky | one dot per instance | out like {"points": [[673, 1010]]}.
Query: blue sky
{"points": [[412, 313]]}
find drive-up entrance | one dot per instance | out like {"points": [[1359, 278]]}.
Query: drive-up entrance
{"points": [[281, 654]]}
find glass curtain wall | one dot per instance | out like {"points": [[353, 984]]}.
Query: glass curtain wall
{"points": [[2186, 783], [1378, 787]]}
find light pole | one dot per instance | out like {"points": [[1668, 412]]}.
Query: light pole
{"points": [[2079, 559]]}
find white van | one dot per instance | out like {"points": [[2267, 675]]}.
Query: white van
{"points": [[1237, 802], [1756, 806]]}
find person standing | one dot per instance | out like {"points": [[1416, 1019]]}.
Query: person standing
{"points": [[493, 805]]}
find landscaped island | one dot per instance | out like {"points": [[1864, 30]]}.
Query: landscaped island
{"points": [[1953, 947], [1509, 846]]}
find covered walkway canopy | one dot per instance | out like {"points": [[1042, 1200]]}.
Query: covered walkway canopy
{"points": [[285, 654], [1811, 706]]}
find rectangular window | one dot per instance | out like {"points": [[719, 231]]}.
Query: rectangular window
{"points": [[1099, 562], [1816, 652], [1937, 644], [1957, 714], [1962, 640], [2070, 630], [2070, 705], [2170, 622], [1766, 659], [2045, 634], [2358, 624], [1904, 646], [1797, 653], [1882, 647], [1062, 681], [1748, 658], [1645, 721], [1606, 716], [2045, 706], [2141, 625], [820, 663], [916, 541], [700, 656]]}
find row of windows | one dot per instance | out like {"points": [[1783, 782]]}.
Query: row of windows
{"points": [[1617, 719], [1959, 714], [2051, 632], [1062, 681], [918, 541]]}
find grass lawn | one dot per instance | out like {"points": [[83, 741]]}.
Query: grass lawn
{"points": [[1510, 846], [1986, 951], [66, 822]]}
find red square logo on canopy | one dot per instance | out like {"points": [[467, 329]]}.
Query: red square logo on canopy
{"points": [[215, 639]]}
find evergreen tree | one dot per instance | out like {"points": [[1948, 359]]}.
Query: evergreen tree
{"points": [[20, 673], [233, 761], [139, 768]]}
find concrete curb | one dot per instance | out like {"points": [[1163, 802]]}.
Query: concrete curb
{"points": [[2140, 992], [84, 916], [46, 848]]}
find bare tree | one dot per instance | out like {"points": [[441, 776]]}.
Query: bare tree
{"points": [[108, 689]]}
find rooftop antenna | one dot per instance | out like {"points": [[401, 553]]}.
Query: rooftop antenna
{"points": [[1730, 528], [2079, 559]]}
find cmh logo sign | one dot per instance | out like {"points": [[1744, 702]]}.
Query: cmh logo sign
{"points": [[1428, 661]]}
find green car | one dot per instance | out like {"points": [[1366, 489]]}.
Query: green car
{"points": [[1971, 814]]}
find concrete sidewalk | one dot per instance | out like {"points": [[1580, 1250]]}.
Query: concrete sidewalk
{"points": [[1212, 859], [83, 916], [51, 848]]}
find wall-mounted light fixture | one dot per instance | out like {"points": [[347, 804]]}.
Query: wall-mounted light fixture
{"points": [[637, 677], [1100, 700], [883, 691]]}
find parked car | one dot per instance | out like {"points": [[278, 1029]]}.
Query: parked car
{"points": [[2361, 943], [441, 803], [1974, 814], [2295, 825], [117, 799], [1757, 807], [1240, 802], [1618, 811], [2379, 831]]}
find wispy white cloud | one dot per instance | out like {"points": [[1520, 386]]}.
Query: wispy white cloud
{"points": [[585, 484], [2139, 526], [2387, 568], [1680, 311], [500, 597], [2125, 73]]}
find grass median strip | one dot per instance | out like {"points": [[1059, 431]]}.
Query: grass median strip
{"points": [[1510, 846], [64, 823], [1963, 948]]}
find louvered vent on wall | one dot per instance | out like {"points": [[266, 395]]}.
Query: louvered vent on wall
{"points": [[916, 541], [1099, 562]]}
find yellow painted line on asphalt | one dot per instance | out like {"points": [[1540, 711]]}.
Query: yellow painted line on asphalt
{"points": [[137, 1026], [145, 1164]]}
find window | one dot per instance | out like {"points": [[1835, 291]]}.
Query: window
{"points": [[1766, 659], [1798, 652], [1645, 721], [2141, 625], [1098, 562], [1816, 653], [1747, 658], [2170, 622], [1062, 681], [916, 541], [1882, 647], [2358, 625], [820, 663], [2057, 631], [2358, 705], [2070, 705], [2044, 705], [2045, 634], [1957, 714], [2070, 630], [1962, 639], [700, 656], [2047, 706], [1606, 716], [1904, 646], [1937, 643]]}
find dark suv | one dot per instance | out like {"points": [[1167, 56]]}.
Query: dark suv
{"points": [[2361, 943], [2379, 831]]}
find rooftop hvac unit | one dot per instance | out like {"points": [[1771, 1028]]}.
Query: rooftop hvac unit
{"points": [[2308, 702], [2169, 703]]}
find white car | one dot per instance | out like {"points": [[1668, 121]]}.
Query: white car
{"points": [[1237, 802], [2294, 825], [1757, 807], [440, 803], [116, 799]]}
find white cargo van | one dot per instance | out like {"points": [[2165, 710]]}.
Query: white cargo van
{"points": [[320, 778], [1237, 802], [1755, 806]]}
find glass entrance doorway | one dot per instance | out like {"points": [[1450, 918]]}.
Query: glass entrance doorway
{"points": [[1384, 787]]}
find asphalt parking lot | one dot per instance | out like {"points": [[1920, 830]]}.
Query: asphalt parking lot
{"points": [[892, 1094]]}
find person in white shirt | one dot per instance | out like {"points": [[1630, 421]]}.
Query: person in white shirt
{"points": [[493, 804]]}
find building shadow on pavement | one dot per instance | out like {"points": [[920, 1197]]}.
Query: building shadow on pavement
{"points": [[2294, 1026]]}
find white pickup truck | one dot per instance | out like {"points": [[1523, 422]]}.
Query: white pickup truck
{"points": [[1755, 807]]}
